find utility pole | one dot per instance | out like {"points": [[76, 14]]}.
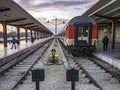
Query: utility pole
{"points": [[56, 24], [55, 30]]}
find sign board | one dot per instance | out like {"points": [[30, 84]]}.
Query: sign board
{"points": [[38, 75], [72, 75]]}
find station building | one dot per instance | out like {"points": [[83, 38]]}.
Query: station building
{"points": [[13, 15], [107, 15]]}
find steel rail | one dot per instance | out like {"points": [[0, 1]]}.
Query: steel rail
{"points": [[107, 67], [30, 67], [9, 65], [84, 70]]}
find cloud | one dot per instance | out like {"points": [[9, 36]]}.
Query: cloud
{"points": [[61, 4], [51, 4], [77, 8]]}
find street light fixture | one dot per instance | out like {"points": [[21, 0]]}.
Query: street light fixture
{"points": [[56, 24]]}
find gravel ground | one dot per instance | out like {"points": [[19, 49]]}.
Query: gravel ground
{"points": [[9, 79], [104, 79], [55, 76]]}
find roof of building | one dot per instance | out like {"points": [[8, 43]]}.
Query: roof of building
{"points": [[13, 14], [105, 11]]}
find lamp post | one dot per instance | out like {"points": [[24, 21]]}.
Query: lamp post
{"points": [[56, 24]]}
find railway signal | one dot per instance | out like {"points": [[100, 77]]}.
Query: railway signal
{"points": [[72, 75], [38, 75], [56, 25]]}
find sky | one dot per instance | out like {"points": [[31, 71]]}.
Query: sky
{"points": [[63, 10]]}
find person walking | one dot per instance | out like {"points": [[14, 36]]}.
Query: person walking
{"points": [[13, 43], [105, 43]]}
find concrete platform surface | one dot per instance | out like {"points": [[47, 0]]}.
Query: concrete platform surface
{"points": [[112, 56], [6, 51]]}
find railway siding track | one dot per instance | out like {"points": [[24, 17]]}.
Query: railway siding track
{"points": [[107, 67], [84, 77], [13, 75], [55, 77], [101, 74], [17, 57], [54, 74], [104, 79], [82, 66], [18, 54]]}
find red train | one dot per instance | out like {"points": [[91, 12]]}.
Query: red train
{"points": [[80, 33]]}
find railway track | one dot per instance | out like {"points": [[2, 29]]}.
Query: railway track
{"points": [[13, 75], [99, 73], [54, 75], [55, 78], [84, 78], [101, 76], [92, 75]]}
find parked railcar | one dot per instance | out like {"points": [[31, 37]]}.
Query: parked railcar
{"points": [[80, 34]]}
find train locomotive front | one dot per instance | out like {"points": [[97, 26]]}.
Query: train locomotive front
{"points": [[81, 34]]}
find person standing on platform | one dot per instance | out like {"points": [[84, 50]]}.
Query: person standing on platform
{"points": [[13, 43], [105, 43]]}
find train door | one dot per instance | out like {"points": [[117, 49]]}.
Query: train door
{"points": [[82, 32]]}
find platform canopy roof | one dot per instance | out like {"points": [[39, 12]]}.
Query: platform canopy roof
{"points": [[13, 14], [105, 11]]}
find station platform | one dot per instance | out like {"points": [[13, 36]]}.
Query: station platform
{"points": [[6, 51], [111, 56]]}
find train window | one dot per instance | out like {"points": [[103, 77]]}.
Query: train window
{"points": [[80, 31], [85, 31]]}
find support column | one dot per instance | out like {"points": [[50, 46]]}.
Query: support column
{"points": [[44, 35], [41, 35], [35, 34], [26, 35], [4, 34], [18, 34], [113, 34], [31, 33]]}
